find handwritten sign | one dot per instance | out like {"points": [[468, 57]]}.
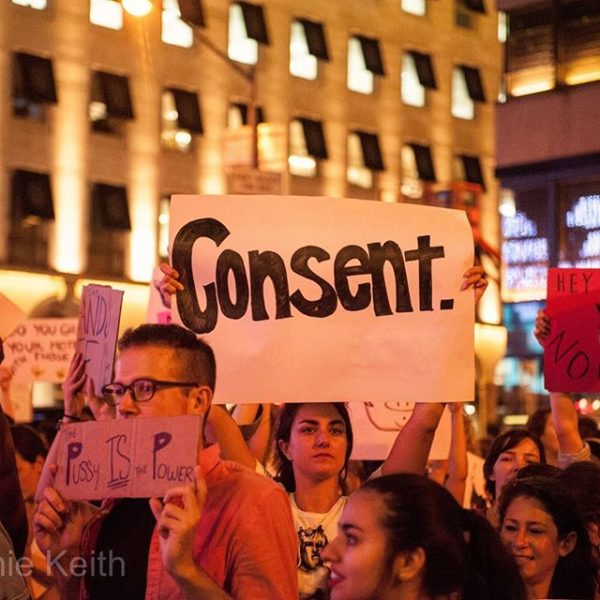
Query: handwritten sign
{"points": [[97, 331], [41, 349], [127, 458], [572, 351], [325, 299], [376, 427], [10, 316]]}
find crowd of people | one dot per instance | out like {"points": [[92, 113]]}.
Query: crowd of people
{"points": [[278, 510]]}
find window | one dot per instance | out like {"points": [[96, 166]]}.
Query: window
{"points": [[307, 143], [109, 224], [31, 211], [471, 170], [110, 102], [174, 30], [237, 115], [307, 44], [417, 166], [37, 4], [247, 29], [164, 209], [180, 118], [464, 11], [106, 13], [364, 157], [364, 61], [466, 90], [33, 84], [417, 74], [415, 7]]}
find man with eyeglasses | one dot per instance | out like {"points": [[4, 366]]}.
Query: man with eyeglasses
{"points": [[230, 536]]}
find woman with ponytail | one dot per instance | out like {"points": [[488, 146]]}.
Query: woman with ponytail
{"points": [[404, 537]]}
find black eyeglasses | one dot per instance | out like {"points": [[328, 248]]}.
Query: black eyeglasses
{"points": [[141, 390]]}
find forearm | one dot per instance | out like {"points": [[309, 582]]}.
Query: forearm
{"points": [[564, 417], [412, 446], [458, 467], [196, 584], [229, 437]]}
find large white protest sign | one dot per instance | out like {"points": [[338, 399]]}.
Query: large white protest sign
{"points": [[127, 458], [376, 426], [40, 349], [323, 299]]}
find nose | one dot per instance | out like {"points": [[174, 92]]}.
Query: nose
{"points": [[330, 553], [127, 406], [322, 438], [521, 538]]}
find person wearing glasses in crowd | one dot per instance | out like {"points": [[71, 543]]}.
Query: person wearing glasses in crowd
{"points": [[230, 535]]}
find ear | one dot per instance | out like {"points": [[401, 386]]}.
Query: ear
{"points": [[409, 565], [284, 447], [567, 544], [199, 399], [38, 464]]}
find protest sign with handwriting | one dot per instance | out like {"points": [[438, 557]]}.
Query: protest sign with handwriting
{"points": [[97, 331], [10, 316], [327, 299], [127, 458], [572, 350], [40, 349]]}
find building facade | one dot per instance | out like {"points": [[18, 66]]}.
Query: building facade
{"points": [[548, 164], [104, 115]]}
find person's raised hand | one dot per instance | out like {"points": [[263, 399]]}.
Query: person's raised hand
{"points": [[542, 327], [177, 517], [475, 277], [169, 284]]}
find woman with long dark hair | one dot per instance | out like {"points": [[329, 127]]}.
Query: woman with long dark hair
{"points": [[404, 537]]}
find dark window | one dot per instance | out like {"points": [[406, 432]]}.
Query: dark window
{"points": [[31, 210], [424, 162], [472, 169], [243, 109], [581, 22], [372, 54], [314, 137], [473, 81], [113, 91], [424, 69], [33, 83], [475, 5], [188, 110], [109, 224], [371, 152], [192, 12], [315, 38], [531, 40], [254, 20]]}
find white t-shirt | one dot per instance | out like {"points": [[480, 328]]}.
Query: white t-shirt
{"points": [[314, 531]]}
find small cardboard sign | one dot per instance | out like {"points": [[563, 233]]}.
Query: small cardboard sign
{"points": [[376, 427], [127, 458], [97, 331], [40, 349], [10, 316], [572, 350]]}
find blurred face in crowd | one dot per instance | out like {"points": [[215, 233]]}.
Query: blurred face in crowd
{"points": [[318, 442], [510, 461], [531, 536], [358, 556], [29, 475]]}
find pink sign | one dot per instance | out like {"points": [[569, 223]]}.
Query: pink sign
{"points": [[572, 351], [127, 458]]}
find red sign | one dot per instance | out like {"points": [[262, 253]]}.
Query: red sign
{"points": [[572, 351]]}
